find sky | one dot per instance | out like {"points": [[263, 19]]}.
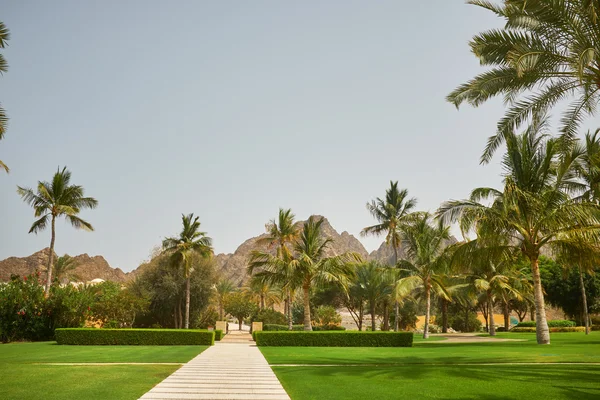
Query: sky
{"points": [[232, 109]]}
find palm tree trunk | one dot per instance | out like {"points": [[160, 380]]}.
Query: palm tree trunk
{"points": [[262, 301], [361, 312], [220, 310], [386, 317], [180, 315], [289, 310], [492, 331], [427, 310], [372, 304], [306, 289], [584, 298], [187, 303], [444, 316], [506, 316], [50, 258], [541, 324], [396, 303], [467, 318]]}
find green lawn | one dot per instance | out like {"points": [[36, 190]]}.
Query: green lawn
{"points": [[565, 347], [437, 370], [24, 376]]}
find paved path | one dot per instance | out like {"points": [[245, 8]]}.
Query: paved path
{"points": [[233, 369]]}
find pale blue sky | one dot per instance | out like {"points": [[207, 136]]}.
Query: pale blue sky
{"points": [[231, 109]]}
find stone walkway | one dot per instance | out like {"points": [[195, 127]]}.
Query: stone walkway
{"points": [[232, 369]]}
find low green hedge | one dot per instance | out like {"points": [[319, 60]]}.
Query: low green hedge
{"points": [[557, 323], [91, 336], [555, 329], [335, 339], [275, 327], [219, 334]]}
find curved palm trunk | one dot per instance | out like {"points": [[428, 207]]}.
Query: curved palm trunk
{"points": [[492, 329], [427, 310], [289, 310], [372, 311], [306, 290], [584, 298], [541, 324], [506, 316], [50, 258], [187, 303]]}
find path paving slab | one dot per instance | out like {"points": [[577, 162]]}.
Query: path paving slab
{"points": [[232, 369]]}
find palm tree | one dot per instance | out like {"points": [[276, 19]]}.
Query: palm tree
{"points": [[281, 232], [374, 283], [534, 211], [547, 51], [309, 266], [392, 214], [262, 292], [427, 259], [64, 267], [181, 249], [55, 199], [4, 37], [223, 287]]}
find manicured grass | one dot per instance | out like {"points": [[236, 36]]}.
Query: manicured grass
{"points": [[49, 382], [565, 347], [549, 382], [22, 376], [42, 352], [437, 370]]}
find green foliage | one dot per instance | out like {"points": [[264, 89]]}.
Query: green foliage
{"points": [[83, 336], [24, 312], [208, 317], [164, 288], [555, 329], [115, 305], [219, 334], [556, 323], [269, 317], [335, 339], [563, 289], [326, 315], [456, 319], [280, 327], [237, 305]]}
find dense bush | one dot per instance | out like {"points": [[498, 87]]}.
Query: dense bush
{"points": [[317, 328], [557, 323], [208, 317], [326, 315], [278, 327], [335, 339], [218, 334], [555, 329], [83, 336], [269, 317]]}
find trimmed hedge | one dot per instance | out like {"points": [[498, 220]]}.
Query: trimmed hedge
{"points": [[219, 334], [557, 323], [151, 337], [335, 339], [555, 329], [275, 327]]}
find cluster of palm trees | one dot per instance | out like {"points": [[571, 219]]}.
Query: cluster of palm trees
{"points": [[4, 37]]}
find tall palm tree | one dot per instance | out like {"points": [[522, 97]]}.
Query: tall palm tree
{"points": [[547, 51], [392, 214], [181, 250], [281, 232], [309, 266], [223, 287], [427, 258], [4, 37], [262, 292], [374, 282], [534, 210], [56, 199]]}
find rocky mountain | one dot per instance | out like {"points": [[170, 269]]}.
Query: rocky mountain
{"points": [[88, 268], [233, 266]]}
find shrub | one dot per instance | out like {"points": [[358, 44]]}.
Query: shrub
{"points": [[207, 317], [554, 329], [335, 339], [326, 315], [278, 327], [84, 336], [218, 334], [595, 327], [557, 323], [327, 328], [268, 316]]}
